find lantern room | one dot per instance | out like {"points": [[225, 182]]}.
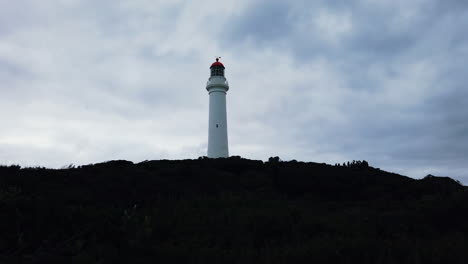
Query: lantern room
{"points": [[217, 68]]}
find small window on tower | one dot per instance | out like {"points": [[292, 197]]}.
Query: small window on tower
{"points": [[216, 125]]}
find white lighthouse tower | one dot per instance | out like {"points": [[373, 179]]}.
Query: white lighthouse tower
{"points": [[217, 87]]}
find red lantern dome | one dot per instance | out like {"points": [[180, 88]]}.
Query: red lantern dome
{"points": [[217, 63]]}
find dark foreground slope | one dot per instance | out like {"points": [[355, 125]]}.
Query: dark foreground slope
{"points": [[229, 211]]}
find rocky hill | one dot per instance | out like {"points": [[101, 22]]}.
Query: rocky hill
{"points": [[229, 211]]}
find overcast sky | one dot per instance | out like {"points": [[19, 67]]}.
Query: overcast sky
{"points": [[86, 81]]}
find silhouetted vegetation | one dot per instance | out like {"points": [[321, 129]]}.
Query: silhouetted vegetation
{"points": [[229, 211]]}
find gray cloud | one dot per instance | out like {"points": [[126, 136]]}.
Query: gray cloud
{"points": [[263, 22], [389, 62], [325, 81]]}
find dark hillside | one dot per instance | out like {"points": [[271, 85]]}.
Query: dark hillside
{"points": [[229, 211]]}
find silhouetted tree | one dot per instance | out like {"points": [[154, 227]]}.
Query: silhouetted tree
{"points": [[274, 159]]}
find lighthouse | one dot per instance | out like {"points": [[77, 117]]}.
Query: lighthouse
{"points": [[217, 87]]}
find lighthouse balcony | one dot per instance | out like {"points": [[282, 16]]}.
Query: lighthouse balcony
{"points": [[217, 81]]}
